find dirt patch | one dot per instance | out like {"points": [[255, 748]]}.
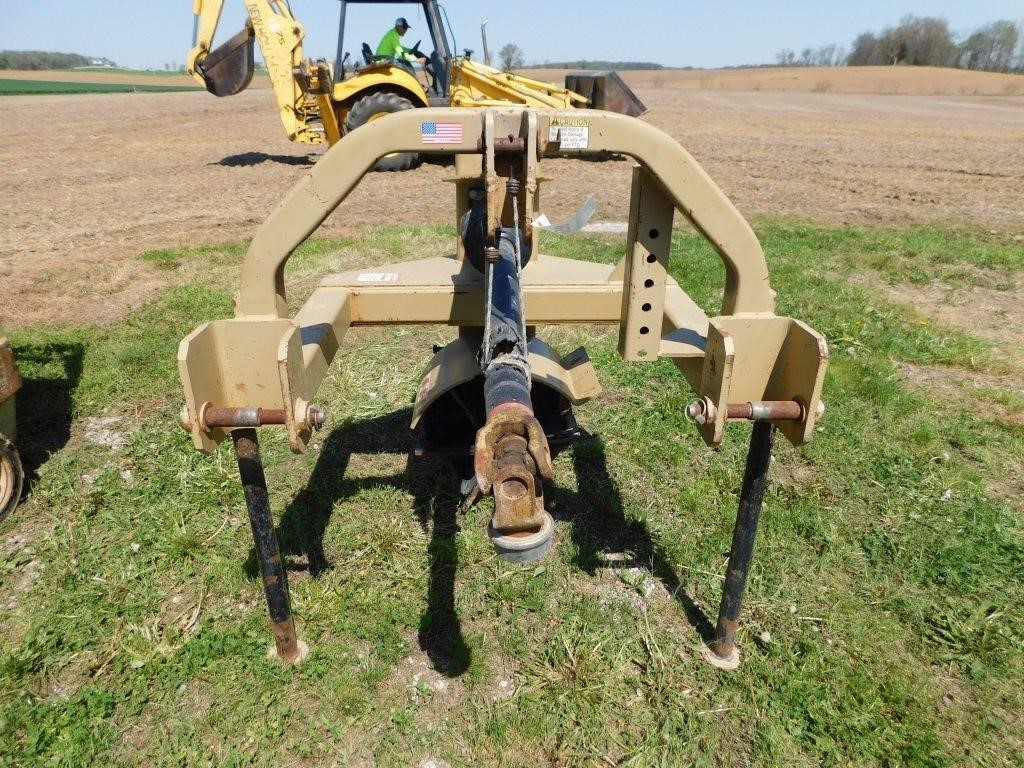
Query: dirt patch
{"points": [[960, 385], [127, 173], [415, 679], [27, 568], [793, 472], [99, 430], [621, 578], [986, 312]]}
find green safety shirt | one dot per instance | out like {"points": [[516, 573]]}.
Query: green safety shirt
{"points": [[391, 45]]}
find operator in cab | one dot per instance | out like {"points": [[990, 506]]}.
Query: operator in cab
{"points": [[391, 44]]}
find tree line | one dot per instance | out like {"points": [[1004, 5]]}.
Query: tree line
{"points": [[511, 57], [923, 41], [36, 60], [588, 64]]}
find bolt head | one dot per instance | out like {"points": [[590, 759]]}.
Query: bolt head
{"points": [[315, 417]]}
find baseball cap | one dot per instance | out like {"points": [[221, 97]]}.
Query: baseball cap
{"points": [[401, 22]]}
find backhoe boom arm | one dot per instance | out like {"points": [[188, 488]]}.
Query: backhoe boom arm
{"points": [[279, 36]]}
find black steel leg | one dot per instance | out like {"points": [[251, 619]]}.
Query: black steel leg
{"points": [[275, 580], [723, 651]]}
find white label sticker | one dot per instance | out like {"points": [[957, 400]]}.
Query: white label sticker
{"points": [[570, 136], [378, 277]]}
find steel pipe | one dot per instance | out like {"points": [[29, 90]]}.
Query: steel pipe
{"points": [[275, 580], [702, 410], [722, 650], [211, 417], [766, 410]]}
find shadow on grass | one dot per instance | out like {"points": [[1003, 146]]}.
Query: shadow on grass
{"points": [[436, 501], [598, 524], [44, 401]]}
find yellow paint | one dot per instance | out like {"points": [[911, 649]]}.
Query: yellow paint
{"points": [[280, 36]]}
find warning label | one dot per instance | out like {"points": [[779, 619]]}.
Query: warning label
{"points": [[570, 136], [378, 277], [428, 382]]}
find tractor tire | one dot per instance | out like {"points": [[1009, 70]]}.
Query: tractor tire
{"points": [[12, 477], [373, 106]]}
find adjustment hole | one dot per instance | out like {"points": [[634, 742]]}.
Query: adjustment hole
{"points": [[653, 234], [644, 330], [646, 307], [648, 283], [651, 258], [641, 353]]}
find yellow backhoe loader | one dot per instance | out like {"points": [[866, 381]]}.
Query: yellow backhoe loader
{"points": [[319, 103]]}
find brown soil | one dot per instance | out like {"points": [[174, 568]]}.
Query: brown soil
{"points": [[985, 312], [91, 181], [904, 81], [968, 389], [960, 385]]}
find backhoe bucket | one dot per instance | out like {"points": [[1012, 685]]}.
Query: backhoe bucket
{"points": [[606, 91], [229, 67]]}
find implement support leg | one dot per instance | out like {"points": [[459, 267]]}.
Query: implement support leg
{"points": [[275, 581], [722, 651]]}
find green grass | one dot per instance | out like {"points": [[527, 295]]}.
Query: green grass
{"points": [[129, 71], [882, 623], [18, 87]]}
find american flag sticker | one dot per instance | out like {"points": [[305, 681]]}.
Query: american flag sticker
{"points": [[441, 133]]}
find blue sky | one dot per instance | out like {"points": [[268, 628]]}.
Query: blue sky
{"points": [[151, 33]]}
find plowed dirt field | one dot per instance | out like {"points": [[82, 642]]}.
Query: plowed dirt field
{"points": [[91, 181]]}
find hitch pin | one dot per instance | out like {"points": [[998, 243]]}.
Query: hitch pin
{"points": [[702, 410], [213, 418]]}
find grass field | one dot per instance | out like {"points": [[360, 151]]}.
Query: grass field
{"points": [[127, 71], [20, 87], [882, 624]]}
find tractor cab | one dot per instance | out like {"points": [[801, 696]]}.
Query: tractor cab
{"points": [[438, 67]]}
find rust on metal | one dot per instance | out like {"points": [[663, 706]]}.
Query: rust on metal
{"points": [[723, 646], [518, 493], [285, 641], [702, 410], [505, 146], [268, 553], [766, 410], [211, 417], [512, 456], [10, 379], [243, 417]]}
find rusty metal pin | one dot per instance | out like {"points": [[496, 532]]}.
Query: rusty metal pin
{"points": [[702, 410]]}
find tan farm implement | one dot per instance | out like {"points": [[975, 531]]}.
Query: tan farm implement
{"points": [[497, 393], [12, 477]]}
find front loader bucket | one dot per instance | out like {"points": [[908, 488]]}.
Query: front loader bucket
{"points": [[229, 67], [607, 91]]}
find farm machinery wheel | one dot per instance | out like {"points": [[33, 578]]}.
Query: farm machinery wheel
{"points": [[12, 477], [373, 107]]}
